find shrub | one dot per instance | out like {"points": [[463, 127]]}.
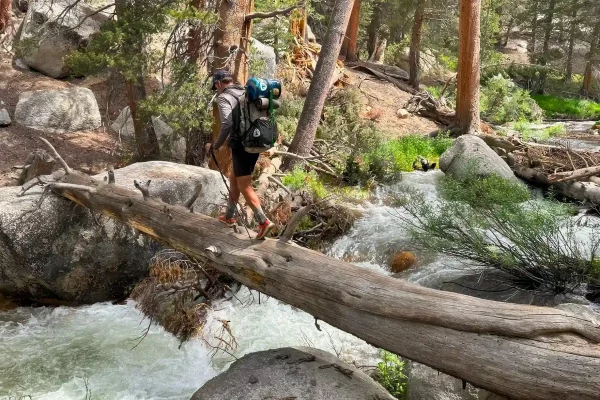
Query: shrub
{"points": [[391, 375], [300, 179], [502, 101], [487, 223], [389, 158], [528, 133], [560, 107]]}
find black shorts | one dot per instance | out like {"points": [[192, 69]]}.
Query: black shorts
{"points": [[243, 162]]}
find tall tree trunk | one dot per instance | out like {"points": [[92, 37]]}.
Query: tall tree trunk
{"points": [[373, 29], [572, 33], [230, 49], [145, 136], [548, 28], [508, 32], [349, 50], [534, 26], [467, 99], [321, 82], [194, 36], [5, 7], [591, 59], [415, 44]]}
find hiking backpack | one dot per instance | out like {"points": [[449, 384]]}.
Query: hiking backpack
{"points": [[254, 116]]}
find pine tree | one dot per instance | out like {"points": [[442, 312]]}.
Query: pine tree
{"points": [[467, 99], [319, 87]]}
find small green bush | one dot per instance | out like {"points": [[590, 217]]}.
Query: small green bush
{"points": [[300, 179], [491, 225], [560, 107], [528, 133], [502, 101], [391, 374], [394, 156]]}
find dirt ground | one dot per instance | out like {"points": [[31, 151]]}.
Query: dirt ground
{"points": [[382, 100], [90, 151]]}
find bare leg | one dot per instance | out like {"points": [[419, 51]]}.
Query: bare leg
{"points": [[245, 187], [234, 191], [234, 196]]}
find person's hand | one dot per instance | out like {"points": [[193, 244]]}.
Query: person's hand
{"points": [[207, 148]]}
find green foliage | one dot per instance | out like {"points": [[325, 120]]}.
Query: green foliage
{"points": [[502, 101], [560, 107], [288, 116], [125, 43], [485, 222], [184, 103], [448, 61], [300, 179], [389, 158], [391, 374], [395, 53], [478, 192], [528, 132]]}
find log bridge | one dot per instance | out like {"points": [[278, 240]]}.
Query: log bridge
{"points": [[518, 351]]}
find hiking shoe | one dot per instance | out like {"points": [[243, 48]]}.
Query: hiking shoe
{"points": [[231, 222], [264, 229]]}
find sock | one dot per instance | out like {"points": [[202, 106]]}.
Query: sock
{"points": [[259, 214], [230, 211]]}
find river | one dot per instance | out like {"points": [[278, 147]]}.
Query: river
{"points": [[63, 353]]}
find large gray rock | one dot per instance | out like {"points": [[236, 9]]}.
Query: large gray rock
{"points": [[63, 252], [170, 143], [4, 116], [299, 373], [425, 383], [470, 155], [52, 29], [63, 110], [265, 55]]}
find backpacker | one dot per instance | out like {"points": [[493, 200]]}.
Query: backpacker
{"points": [[255, 115]]}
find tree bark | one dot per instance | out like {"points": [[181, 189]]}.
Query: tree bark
{"points": [[230, 49], [195, 36], [572, 33], [145, 136], [467, 99], [591, 59], [548, 27], [373, 29], [508, 31], [5, 7], [321, 82], [519, 351], [415, 44], [534, 25], [349, 50]]}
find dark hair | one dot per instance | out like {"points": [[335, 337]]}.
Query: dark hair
{"points": [[227, 79]]}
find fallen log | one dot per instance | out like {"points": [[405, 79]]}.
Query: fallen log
{"points": [[519, 351], [576, 175], [582, 191], [392, 77]]}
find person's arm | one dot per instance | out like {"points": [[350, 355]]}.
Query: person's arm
{"points": [[225, 114]]}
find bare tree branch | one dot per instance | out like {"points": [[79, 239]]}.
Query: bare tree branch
{"points": [[62, 162], [262, 15]]}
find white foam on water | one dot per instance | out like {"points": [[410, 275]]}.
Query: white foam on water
{"points": [[49, 353]]}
